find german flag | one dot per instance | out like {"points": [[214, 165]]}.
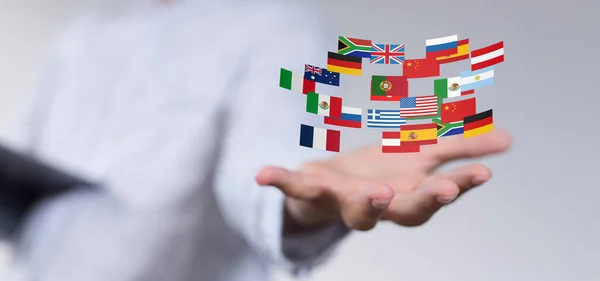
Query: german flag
{"points": [[344, 64], [421, 134], [478, 124]]}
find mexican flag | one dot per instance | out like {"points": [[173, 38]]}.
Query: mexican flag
{"points": [[447, 87], [324, 105]]}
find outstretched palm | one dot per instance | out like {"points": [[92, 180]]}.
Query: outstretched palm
{"points": [[365, 186]]}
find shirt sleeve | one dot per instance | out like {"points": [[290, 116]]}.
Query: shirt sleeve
{"points": [[264, 129]]}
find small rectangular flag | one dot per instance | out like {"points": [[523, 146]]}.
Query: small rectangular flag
{"points": [[384, 118], [478, 124], [462, 53], [324, 105], [443, 46], [449, 88], [319, 138], [421, 68], [295, 82], [487, 56], [351, 117], [344, 64], [388, 88], [457, 110], [354, 47], [449, 129], [421, 134], [390, 143], [387, 53], [321, 75], [471, 80], [419, 107]]}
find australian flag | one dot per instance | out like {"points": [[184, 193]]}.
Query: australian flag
{"points": [[321, 75]]}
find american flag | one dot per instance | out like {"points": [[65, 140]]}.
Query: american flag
{"points": [[424, 106], [384, 118], [387, 53], [313, 69]]}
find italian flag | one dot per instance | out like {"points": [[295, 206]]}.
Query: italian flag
{"points": [[324, 105], [295, 82]]}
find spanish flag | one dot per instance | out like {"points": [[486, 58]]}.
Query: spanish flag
{"points": [[421, 134], [462, 53], [478, 124]]}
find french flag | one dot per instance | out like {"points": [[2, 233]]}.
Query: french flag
{"points": [[440, 47], [351, 117]]}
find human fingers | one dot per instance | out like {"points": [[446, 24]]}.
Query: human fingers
{"points": [[418, 206], [363, 209], [291, 183], [458, 147], [469, 176]]}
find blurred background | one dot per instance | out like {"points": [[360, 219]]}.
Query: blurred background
{"points": [[536, 220]]}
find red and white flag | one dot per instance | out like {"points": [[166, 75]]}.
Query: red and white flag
{"points": [[390, 143], [487, 56]]}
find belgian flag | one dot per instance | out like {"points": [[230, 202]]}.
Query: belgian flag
{"points": [[478, 124], [344, 64]]}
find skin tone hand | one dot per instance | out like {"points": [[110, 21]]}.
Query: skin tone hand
{"points": [[366, 186]]}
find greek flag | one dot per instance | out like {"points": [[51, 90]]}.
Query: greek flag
{"points": [[384, 118]]}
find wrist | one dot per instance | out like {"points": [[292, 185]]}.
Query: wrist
{"points": [[301, 216]]}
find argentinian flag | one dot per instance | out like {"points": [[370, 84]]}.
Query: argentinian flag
{"points": [[470, 80]]}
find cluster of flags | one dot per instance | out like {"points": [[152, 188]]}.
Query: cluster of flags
{"points": [[451, 108]]}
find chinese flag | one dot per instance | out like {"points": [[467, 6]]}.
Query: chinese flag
{"points": [[420, 68], [457, 110]]}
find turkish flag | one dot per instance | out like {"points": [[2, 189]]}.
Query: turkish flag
{"points": [[420, 68]]}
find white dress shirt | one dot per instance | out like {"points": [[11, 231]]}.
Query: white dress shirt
{"points": [[172, 112]]}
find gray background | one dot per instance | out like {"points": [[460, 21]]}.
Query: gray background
{"points": [[536, 220]]}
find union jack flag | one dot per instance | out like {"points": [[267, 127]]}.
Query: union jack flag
{"points": [[387, 53], [313, 69]]}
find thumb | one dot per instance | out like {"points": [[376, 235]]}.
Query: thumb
{"points": [[363, 211]]}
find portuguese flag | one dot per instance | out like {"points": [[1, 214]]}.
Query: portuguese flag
{"points": [[388, 88]]}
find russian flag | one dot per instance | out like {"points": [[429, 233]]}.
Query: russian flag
{"points": [[440, 47], [351, 117]]}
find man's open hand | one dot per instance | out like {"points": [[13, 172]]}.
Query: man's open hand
{"points": [[367, 185]]}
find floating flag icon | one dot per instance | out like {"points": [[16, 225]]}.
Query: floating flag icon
{"points": [[387, 53], [449, 88], [478, 124], [354, 47], [443, 46], [384, 118], [351, 117], [319, 138], [471, 80], [324, 105], [344, 64], [295, 82], [422, 134], [455, 111], [390, 143], [462, 53], [419, 107], [388, 88], [421, 68], [487, 56], [450, 129]]}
